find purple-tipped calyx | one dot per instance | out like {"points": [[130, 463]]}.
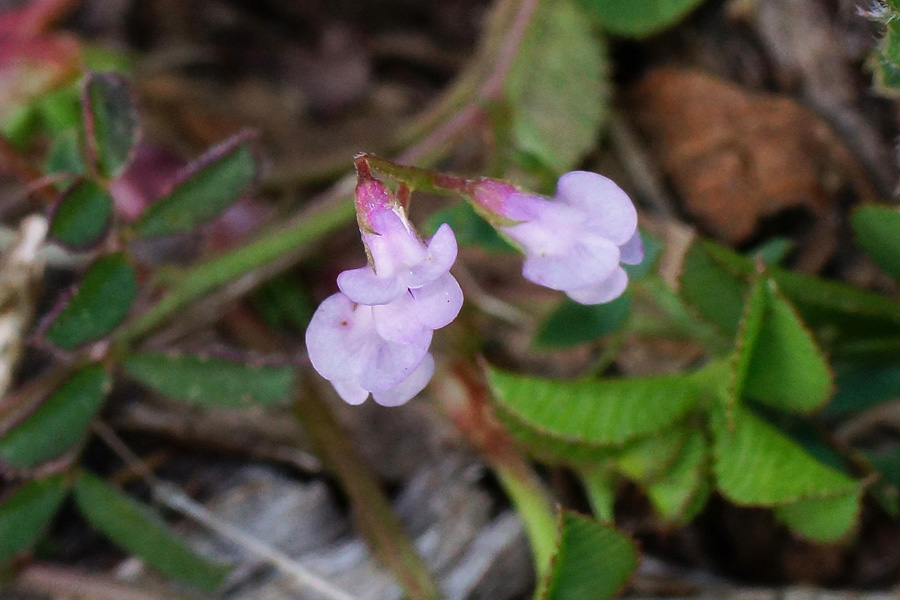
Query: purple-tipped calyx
{"points": [[574, 242]]}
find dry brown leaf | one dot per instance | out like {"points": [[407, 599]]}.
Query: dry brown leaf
{"points": [[736, 157]]}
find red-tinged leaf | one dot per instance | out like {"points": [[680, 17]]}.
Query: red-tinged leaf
{"points": [[111, 122], [204, 189]]}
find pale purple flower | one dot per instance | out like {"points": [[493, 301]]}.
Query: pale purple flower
{"points": [[373, 335], [576, 241], [346, 349]]}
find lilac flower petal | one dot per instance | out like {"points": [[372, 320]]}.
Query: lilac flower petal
{"points": [[589, 261], [394, 246], [337, 336], [632, 251], [441, 256], [438, 303], [611, 210], [605, 291], [391, 363], [362, 285], [398, 321], [409, 387], [350, 391]]}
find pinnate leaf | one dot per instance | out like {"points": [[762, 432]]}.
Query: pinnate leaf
{"points": [[111, 123], [82, 216], [211, 381], [203, 190], [877, 230], [639, 19], [101, 302], [717, 293], [136, 529], [57, 424], [578, 419], [25, 513], [592, 560], [843, 313], [557, 87], [757, 465]]}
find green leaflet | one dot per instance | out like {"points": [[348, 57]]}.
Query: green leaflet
{"points": [[82, 216], [557, 87], [573, 323], [638, 19], [211, 381], [716, 293], [841, 315], [207, 187], [777, 361], [647, 459], [59, 423], [877, 230], [586, 419], [683, 489], [111, 123], [134, 528], [25, 513], [102, 302], [822, 520], [757, 465], [592, 560]]}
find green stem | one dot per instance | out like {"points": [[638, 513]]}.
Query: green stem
{"points": [[466, 399], [600, 485], [533, 504], [386, 535], [223, 269], [425, 180]]}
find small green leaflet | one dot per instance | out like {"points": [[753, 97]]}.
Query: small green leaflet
{"points": [[82, 216], [211, 381], [757, 465], [136, 529], [638, 18], [822, 520], [575, 420], [779, 363], [712, 289], [204, 190], [101, 302], [557, 87], [111, 123], [681, 492], [59, 423], [25, 513], [877, 230], [592, 561], [573, 323]]}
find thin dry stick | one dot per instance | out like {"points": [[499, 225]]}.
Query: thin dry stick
{"points": [[175, 499]]}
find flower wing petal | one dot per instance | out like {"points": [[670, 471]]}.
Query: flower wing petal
{"points": [[611, 211], [605, 291], [587, 262], [438, 303], [632, 251], [391, 363], [336, 338], [409, 387]]}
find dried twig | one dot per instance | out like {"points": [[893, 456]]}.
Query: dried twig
{"points": [[172, 497]]}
